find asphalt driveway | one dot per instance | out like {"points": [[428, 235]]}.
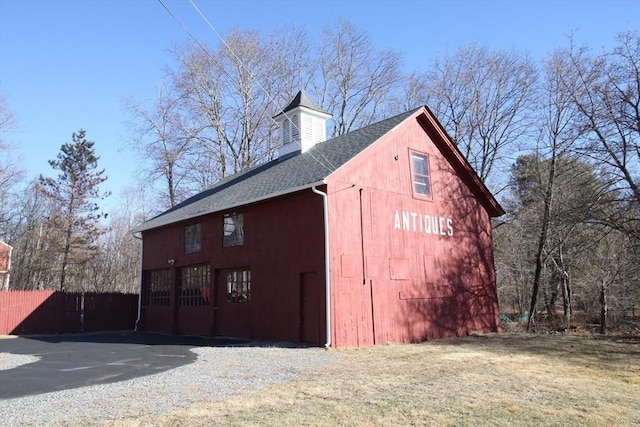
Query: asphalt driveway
{"points": [[71, 361]]}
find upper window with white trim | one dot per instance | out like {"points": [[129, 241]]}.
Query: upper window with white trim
{"points": [[192, 238], [233, 229], [421, 178]]}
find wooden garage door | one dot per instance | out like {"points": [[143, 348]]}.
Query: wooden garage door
{"points": [[233, 303], [195, 308]]}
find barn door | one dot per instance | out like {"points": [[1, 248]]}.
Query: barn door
{"points": [[193, 308], [310, 303], [233, 304]]}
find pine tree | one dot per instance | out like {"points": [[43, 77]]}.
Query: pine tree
{"points": [[74, 218]]}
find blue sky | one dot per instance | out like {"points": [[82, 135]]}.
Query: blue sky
{"points": [[70, 64]]}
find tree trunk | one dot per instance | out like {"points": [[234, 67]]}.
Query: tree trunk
{"points": [[566, 299], [542, 239], [553, 298], [566, 292], [66, 250], [547, 298], [603, 308]]}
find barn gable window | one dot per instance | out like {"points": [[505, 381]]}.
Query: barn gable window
{"points": [[157, 287], [239, 286], [194, 286], [421, 178], [233, 229], [192, 238]]}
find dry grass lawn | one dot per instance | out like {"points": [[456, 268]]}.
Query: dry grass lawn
{"points": [[491, 380]]}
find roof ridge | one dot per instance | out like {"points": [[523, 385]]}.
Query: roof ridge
{"points": [[364, 129]]}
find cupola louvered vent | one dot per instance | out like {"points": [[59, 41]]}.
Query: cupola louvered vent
{"points": [[302, 125], [286, 131], [295, 129]]}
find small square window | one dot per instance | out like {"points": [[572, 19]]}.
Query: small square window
{"points": [[420, 175], [233, 229], [192, 238]]}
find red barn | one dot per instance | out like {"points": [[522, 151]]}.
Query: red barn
{"points": [[380, 235]]}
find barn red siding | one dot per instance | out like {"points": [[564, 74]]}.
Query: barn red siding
{"points": [[157, 319], [400, 281], [284, 241]]}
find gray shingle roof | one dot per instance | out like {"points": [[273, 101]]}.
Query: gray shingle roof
{"points": [[286, 175]]}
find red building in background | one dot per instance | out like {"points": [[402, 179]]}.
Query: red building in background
{"points": [[380, 235], [5, 265]]}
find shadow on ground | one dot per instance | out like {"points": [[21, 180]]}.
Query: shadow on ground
{"points": [[78, 360]]}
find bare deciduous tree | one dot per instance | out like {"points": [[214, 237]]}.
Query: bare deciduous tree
{"points": [[161, 136], [11, 175], [295, 65], [229, 94], [116, 266], [357, 82], [608, 96], [484, 100], [606, 90], [217, 117], [33, 266], [557, 135]]}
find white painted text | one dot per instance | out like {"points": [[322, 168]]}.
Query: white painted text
{"points": [[429, 224]]}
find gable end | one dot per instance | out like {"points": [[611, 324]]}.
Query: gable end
{"points": [[450, 151]]}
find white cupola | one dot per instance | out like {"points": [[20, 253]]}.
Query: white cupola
{"points": [[302, 125]]}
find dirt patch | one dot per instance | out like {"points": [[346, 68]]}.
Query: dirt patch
{"points": [[7, 337]]}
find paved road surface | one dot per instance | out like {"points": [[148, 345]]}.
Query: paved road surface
{"points": [[70, 361]]}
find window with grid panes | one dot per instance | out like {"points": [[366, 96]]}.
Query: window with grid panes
{"points": [[421, 178], [157, 285], [194, 286], [239, 286]]}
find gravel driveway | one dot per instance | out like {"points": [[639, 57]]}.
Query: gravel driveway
{"points": [[216, 372]]}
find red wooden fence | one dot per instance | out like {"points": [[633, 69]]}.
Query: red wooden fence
{"points": [[53, 312], [110, 312]]}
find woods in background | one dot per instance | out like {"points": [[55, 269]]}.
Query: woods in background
{"points": [[557, 141]]}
